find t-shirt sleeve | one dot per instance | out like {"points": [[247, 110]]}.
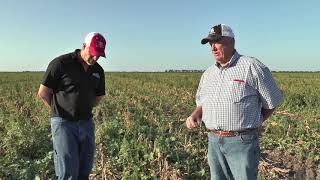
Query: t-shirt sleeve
{"points": [[101, 88], [52, 75], [269, 93]]}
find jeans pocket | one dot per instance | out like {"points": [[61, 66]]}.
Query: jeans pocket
{"points": [[248, 138], [55, 124]]}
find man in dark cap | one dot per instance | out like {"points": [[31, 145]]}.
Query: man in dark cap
{"points": [[235, 96]]}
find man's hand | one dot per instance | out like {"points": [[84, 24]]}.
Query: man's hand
{"points": [[192, 122], [195, 118]]}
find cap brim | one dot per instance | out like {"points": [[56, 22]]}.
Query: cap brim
{"points": [[211, 38], [103, 55], [205, 40], [97, 53]]}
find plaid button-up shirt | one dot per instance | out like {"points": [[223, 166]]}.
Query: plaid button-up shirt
{"points": [[232, 96]]}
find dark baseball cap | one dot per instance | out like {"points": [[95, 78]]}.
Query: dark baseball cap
{"points": [[217, 32]]}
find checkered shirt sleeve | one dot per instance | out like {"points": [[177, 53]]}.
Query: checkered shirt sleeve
{"points": [[269, 93]]}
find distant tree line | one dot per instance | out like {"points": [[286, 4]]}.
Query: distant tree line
{"points": [[183, 70], [296, 71]]}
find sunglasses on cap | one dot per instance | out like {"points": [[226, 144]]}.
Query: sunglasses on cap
{"points": [[215, 39], [215, 34]]}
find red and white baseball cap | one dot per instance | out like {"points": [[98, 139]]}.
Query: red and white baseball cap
{"points": [[96, 43]]}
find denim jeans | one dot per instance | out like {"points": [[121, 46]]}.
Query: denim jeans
{"points": [[74, 147], [234, 157]]}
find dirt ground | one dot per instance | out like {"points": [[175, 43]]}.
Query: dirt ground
{"points": [[283, 165]]}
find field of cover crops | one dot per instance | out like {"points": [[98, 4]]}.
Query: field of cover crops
{"points": [[141, 132]]}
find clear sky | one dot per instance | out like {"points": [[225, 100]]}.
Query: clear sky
{"points": [[155, 35]]}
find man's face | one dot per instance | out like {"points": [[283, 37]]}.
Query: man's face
{"points": [[90, 60], [222, 49]]}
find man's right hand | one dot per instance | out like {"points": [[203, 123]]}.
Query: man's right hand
{"points": [[192, 122], [195, 118]]}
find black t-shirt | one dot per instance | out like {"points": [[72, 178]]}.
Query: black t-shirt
{"points": [[74, 89]]}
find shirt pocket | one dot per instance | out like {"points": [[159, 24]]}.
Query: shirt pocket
{"points": [[241, 92]]}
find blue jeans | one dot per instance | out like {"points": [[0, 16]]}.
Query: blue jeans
{"points": [[234, 157], [74, 147]]}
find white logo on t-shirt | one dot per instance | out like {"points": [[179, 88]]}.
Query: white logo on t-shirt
{"points": [[96, 75]]}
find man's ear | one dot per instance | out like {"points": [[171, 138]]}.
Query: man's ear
{"points": [[83, 45]]}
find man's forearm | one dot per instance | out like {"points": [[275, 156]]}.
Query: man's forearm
{"points": [[45, 94], [197, 113], [98, 99], [46, 100]]}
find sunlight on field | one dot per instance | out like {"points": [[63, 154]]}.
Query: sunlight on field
{"points": [[141, 134]]}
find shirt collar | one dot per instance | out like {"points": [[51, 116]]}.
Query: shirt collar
{"points": [[233, 59], [77, 53]]}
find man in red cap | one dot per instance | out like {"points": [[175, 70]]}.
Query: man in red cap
{"points": [[72, 85]]}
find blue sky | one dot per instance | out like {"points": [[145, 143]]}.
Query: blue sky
{"points": [[150, 35]]}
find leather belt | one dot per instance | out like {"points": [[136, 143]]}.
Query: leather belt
{"points": [[231, 133]]}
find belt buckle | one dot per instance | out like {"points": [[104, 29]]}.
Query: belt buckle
{"points": [[220, 133]]}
